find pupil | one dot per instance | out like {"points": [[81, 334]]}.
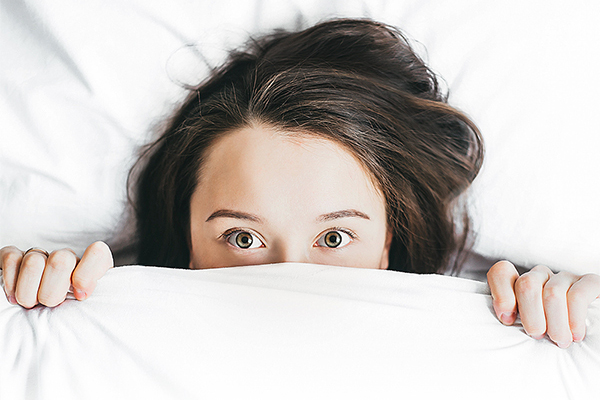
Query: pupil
{"points": [[333, 239], [244, 240]]}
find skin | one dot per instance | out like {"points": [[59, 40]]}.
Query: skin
{"points": [[33, 278], [281, 203], [285, 194], [548, 303]]}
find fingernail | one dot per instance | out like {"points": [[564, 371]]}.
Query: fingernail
{"points": [[507, 318], [563, 345], [577, 338], [537, 337], [79, 294], [12, 299]]}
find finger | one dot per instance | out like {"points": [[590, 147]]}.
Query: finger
{"points": [[579, 297], [56, 278], [555, 308], [528, 289], [28, 281], [501, 279], [94, 263], [10, 261]]}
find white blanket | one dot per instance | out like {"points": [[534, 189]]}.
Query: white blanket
{"points": [[285, 331]]}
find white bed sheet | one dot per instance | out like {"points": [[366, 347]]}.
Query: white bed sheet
{"points": [[285, 331]]}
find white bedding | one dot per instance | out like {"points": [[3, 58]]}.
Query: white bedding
{"points": [[285, 331], [83, 84]]}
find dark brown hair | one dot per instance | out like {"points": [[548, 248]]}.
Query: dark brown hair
{"points": [[356, 82]]}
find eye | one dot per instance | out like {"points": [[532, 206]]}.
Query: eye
{"points": [[335, 239], [244, 240]]}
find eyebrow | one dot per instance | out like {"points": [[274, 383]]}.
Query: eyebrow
{"points": [[233, 214], [342, 214], [254, 218]]}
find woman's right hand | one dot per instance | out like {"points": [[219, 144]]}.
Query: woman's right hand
{"points": [[36, 277]]}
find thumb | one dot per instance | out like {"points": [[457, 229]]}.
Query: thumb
{"points": [[96, 260]]}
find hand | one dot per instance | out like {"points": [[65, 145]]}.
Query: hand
{"points": [[37, 277], [550, 303]]}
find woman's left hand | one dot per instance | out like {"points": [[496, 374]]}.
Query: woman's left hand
{"points": [[550, 303]]}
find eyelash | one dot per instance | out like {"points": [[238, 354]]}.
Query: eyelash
{"points": [[340, 229], [226, 236], [348, 232], [230, 232]]}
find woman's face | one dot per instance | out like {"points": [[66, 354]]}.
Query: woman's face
{"points": [[264, 197]]}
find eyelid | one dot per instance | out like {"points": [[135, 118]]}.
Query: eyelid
{"points": [[229, 232], [353, 236], [339, 228]]}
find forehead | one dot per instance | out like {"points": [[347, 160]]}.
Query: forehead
{"points": [[261, 167]]}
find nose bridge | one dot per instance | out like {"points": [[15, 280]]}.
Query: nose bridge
{"points": [[290, 252]]}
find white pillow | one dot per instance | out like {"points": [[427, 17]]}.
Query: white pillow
{"points": [[527, 73], [84, 83]]}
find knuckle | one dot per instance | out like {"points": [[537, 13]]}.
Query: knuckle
{"points": [[594, 279], [98, 247], [501, 268], [10, 258], [32, 266], [32, 263], [33, 258], [9, 249], [566, 274], [102, 251], [526, 284], [575, 298], [542, 268], [553, 293], [61, 260]]}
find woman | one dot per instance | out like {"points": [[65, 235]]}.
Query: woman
{"points": [[332, 145]]}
